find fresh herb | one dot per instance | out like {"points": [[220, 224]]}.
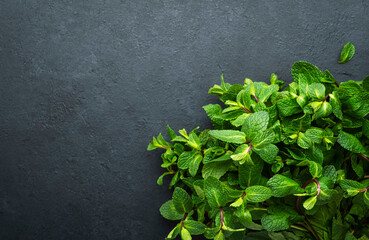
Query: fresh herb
{"points": [[347, 53], [280, 163]]}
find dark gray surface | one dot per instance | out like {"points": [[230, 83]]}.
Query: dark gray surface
{"points": [[86, 84]]}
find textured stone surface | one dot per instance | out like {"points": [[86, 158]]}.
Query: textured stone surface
{"points": [[86, 84]]}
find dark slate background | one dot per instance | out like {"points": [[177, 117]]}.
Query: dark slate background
{"points": [[84, 85]]}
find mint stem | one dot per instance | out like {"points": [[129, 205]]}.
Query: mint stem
{"points": [[326, 97], [247, 110], [221, 218], [184, 218], [363, 156], [303, 186], [249, 149], [243, 195], [364, 189], [256, 99]]}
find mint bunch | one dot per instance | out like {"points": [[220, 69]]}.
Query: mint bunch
{"points": [[280, 163]]}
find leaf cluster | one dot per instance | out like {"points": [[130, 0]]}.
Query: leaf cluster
{"points": [[279, 163]]}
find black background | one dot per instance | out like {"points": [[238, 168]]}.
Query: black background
{"points": [[84, 86]]}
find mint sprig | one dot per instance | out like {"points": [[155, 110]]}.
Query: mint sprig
{"points": [[288, 163]]}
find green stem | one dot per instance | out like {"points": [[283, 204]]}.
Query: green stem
{"points": [[311, 229], [256, 209], [299, 228]]}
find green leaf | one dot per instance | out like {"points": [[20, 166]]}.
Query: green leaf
{"points": [[315, 169], [267, 92], [240, 120], [324, 110], [249, 175], [213, 111], [214, 192], [315, 134], [185, 234], [199, 188], [195, 163], [366, 197], [357, 166], [351, 187], [170, 132], [303, 141], [160, 179], [231, 136], [347, 53], [263, 138], [336, 105], [366, 83], [194, 141], [186, 158], [242, 154], [168, 211], [254, 124], [316, 91], [275, 222], [174, 233], [366, 128], [258, 193], [282, 186], [300, 124], [308, 71], [350, 142], [215, 169], [225, 157], [310, 202], [267, 152], [194, 227], [288, 107], [219, 236], [243, 98], [182, 201]]}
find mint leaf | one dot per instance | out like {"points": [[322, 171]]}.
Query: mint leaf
{"points": [[366, 128], [288, 107], [267, 152], [258, 193], [231, 136], [215, 169], [219, 236], [182, 201], [242, 154], [316, 91], [174, 233], [282, 186], [194, 141], [168, 211], [170, 132], [249, 175], [308, 71], [310, 202], [214, 192], [186, 158], [336, 105], [275, 222], [263, 138], [347, 53], [255, 123], [194, 227], [194, 164], [350, 142], [185, 234]]}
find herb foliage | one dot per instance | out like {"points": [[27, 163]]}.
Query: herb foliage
{"points": [[283, 163]]}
